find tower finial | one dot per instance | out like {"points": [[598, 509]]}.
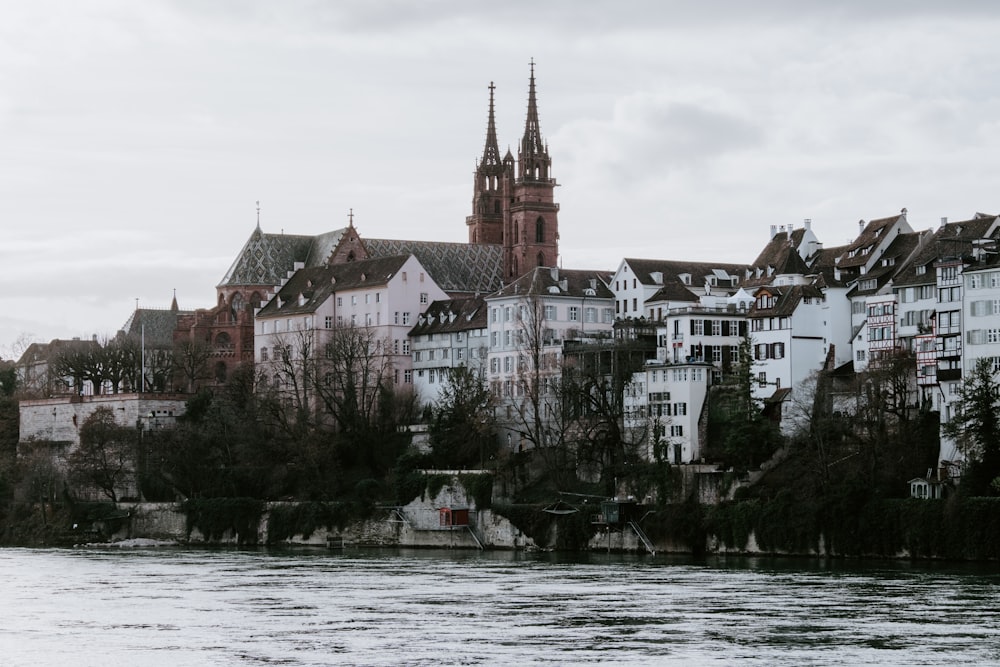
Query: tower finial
{"points": [[491, 152], [350, 218], [533, 156], [258, 213]]}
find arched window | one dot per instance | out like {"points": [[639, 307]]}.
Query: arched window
{"points": [[255, 299], [222, 340], [540, 230], [541, 259]]}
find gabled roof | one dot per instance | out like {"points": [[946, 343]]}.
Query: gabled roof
{"points": [[155, 327], [455, 267], [309, 288], [890, 263], [859, 251], [546, 281], [953, 239], [267, 258], [789, 297], [44, 352], [451, 315], [672, 269], [673, 291]]}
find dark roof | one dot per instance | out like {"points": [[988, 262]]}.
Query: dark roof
{"points": [[673, 291], [316, 284], [267, 259], [789, 297], [824, 265], [898, 252], [545, 280], [155, 327], [455, 267], [780, 254], [858, 252], [43, 352], [451, 315], [953, 239], [671, 269]]}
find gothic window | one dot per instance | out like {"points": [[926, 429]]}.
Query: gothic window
{"points": [[222, 340], [255, 299], [541, 259], [540, 230]]}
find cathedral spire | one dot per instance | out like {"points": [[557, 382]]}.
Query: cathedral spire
{"points": [[533, 158], [491, 152]]}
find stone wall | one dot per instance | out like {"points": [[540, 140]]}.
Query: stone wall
{"points": [[59, 419]]}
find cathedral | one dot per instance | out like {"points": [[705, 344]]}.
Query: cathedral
{"points": [[513, 228]]}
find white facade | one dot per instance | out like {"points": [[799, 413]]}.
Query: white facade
{"points": [[381, 296], [448, 335], [664, 403]]}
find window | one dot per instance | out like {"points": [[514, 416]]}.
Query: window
{"points": [[494, 365], [974, 280], [590, 314], [354, 299], [406, 346], [860, 355], [609, 316], [368, 298], [778, 351], [395, 347], [574, 314], [635, 304], [550, 312], [540, 230], [378, 297], [762, 378], [340, 301], [676, 431], [698, 327], [263, 354], [430, 376], [716, 327], [680, 409], [395, 317], [423, 297], [406, 318], [407, 377], [508, 364], [506, 313], [418, 355]]}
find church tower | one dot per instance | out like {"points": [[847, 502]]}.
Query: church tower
{"points": [[486, 224], [531, 225]]}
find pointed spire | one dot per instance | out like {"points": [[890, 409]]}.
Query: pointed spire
{"points": [[491, 152], [531, 143], [258, 214], [533, 161], [350, 218], [173, 304]]}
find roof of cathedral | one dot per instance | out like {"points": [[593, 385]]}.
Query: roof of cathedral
{"points": [[543, 280], [451, 315], [266, 259], [309, 288], [455, 267]]}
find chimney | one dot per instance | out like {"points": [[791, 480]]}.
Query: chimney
{"points": [[944, 220], [861, 226], [774, 230], [808, 223], [554, 273]]}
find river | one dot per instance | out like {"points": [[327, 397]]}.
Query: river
{"points": [[174, 606]]}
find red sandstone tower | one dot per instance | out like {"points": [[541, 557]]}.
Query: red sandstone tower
{"points": [[516, 209]]}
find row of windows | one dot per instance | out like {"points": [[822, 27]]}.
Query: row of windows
{"points": [[368, 298], [769, 351], [982, 336], [550, 312], [981, 280], [984, 307]]}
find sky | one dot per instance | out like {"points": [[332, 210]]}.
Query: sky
{"points": [[137, 137]]}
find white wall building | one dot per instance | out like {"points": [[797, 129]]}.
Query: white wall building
{"points": [[447, 335]]}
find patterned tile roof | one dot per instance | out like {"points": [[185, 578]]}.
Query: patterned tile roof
{"points": [[455, 267], [858, 252], [451, 316], [789, 297], [266, 259]]}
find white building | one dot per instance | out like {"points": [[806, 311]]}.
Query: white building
{"points": [[449, 334], [529, 321], [383, 297], [664, 404]]}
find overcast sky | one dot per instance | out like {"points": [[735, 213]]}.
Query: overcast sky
{"points": [[135, 137]]}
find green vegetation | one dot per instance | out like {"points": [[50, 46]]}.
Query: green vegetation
{"points": [[215, 517]]}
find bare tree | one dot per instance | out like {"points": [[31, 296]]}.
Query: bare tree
{"points": [[190, 361], [104, 457]]}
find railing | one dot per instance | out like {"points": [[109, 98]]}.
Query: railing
{"points": [[642, 537]]}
